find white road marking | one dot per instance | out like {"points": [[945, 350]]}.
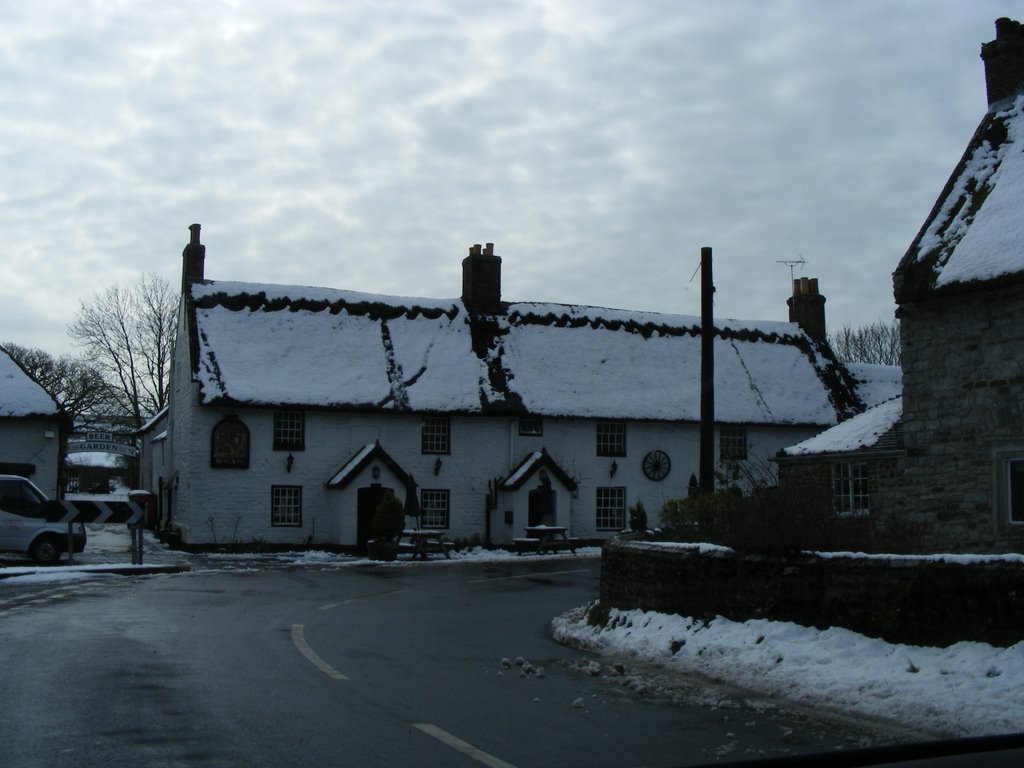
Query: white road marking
{"points": [[526, 576], [459, 745], [299, 639]]}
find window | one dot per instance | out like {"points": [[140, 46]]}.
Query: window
{"points": [[434, 435], [19, 497], [611, 438], [286, 505], [434, 503], [289, 431], [611, 509], [531, 426], [732, 442], [229, 447], [850, 489], [1015, 489]]}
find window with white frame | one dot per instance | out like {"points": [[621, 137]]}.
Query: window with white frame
{"points": [[732, 442], [289, 431], [611, 509], [286, 505], [1015, 490], [435, 505], [611, 438], [850, 494], [434, 435]]}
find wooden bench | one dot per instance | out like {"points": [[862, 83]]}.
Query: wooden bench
{"points": [[526, 544], [422, 543]]}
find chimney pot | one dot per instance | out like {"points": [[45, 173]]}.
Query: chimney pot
{"points": [[807, 308], [193, 259], [481, 280], [1004, 61]]}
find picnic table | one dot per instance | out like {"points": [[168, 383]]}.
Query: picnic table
{"points": [[422, 543], [541, 537]]}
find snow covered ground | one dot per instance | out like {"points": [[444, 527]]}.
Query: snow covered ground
{"points": [[109, 545], [967, 689]]}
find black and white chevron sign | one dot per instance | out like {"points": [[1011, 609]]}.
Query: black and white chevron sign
{"points": [[93, 512]]}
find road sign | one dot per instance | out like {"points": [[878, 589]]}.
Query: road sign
{"points": [[72, 512], [93, 512], [102, 447]]}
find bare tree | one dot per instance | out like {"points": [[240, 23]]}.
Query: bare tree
{"points": [[877, 342], [128, 335], [77, 387]]}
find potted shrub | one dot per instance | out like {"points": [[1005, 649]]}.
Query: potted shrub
{"points": [[388, 524]]}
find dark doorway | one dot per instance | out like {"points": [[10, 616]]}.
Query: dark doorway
{"points": [[543, 501], [367, 500]]}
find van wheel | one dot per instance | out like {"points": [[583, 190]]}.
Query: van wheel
{"points": [[45, 550]]}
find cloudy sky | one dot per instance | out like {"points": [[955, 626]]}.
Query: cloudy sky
{"points": [[367, 144]]}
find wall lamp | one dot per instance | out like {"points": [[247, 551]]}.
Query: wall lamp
{"points": [[437, 466], [614, 469]]}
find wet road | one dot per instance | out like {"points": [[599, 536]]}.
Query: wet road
{"points": [[354, 666]]}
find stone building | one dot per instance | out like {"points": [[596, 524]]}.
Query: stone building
{"points": [[960, 296], [855, 471]]}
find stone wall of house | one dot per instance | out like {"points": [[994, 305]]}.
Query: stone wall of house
{"points": [[900, 599], [886, 530], [963, 409]]}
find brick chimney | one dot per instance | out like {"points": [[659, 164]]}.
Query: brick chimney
{"points": [[481, 280], [1004, 61], [193, 259], [807, 308]]}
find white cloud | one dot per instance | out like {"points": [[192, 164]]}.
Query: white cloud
{"points": [[367, 145]]}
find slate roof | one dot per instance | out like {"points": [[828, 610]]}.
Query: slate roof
{"points": [[20, 396], [974, 235], [294, 346]]}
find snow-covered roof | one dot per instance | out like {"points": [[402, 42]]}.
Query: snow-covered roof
{"points": [[878, 428], [876, 383], [20, 396], [153, 420], [275, 345], [537, 460], [975, 232], [363, 458]]}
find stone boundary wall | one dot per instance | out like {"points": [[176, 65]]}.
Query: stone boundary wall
{"points": [[913, 600]]}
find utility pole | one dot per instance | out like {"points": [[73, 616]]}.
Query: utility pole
{"points": [[707, 373]]}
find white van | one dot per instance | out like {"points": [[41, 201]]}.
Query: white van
{"points": [[23, 528]]}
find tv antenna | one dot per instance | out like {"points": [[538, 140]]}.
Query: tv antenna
{"points": [[792, 263]]}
